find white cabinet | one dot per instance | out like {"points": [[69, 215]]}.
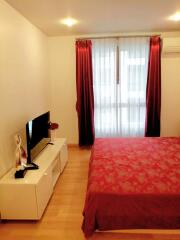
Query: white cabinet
{"points": [[27, 198]]}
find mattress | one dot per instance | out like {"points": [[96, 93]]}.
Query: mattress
{"points": [[133, 183]]}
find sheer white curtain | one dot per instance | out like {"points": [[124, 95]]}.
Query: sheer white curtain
{"points": [[119, 79]]}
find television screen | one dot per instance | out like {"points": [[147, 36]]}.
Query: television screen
{"points": [[37, 135]]}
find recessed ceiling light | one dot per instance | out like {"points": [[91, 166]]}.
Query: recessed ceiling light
{"points": [[175, 17], [69, 22]]}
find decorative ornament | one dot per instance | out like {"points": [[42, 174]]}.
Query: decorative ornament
{"points": [[53, 127], [20, 153]]}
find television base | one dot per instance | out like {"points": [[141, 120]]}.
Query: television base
{"points": [[31, 166]]}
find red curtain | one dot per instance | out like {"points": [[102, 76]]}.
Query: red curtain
{"points": [[85, 96], [153, 90]]}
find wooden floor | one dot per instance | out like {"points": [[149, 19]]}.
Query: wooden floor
{"points": [[63, 216]]}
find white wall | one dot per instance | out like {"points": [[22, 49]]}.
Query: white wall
{"points": [[63, 86], [170, 111], [24, 83], [63, 91]]}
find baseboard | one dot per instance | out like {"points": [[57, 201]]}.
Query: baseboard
{"points": [[73, 145]]}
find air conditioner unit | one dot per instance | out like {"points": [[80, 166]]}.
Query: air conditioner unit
{"points": [[171, 45]]}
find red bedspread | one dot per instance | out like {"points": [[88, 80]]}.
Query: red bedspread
{"points": [[133, 183]]}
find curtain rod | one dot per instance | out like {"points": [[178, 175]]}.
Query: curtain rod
{"points": [[123, 36]]}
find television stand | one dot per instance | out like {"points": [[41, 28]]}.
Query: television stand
{"points": [[27, 198]]}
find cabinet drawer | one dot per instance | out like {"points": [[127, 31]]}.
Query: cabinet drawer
{"points": [[18, 201], [44, 191], [56, 169], [63, 156]]}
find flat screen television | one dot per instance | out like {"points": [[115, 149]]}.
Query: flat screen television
{"points": [[37, 135]]}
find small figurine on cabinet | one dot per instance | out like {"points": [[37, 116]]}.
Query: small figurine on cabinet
{"points": [[21, 156]]}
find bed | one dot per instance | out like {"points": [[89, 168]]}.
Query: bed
{"points": [[133, 183]]}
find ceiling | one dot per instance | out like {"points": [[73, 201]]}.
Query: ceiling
{"points": [[99, 16]]}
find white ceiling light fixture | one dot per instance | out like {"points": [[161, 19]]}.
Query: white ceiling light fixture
{"points": [[69, 22], [175, 17]]}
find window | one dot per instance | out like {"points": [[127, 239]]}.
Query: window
{"points": [[119, 79]]}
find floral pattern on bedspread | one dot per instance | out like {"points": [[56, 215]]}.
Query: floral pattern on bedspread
{"points": [[135, 165], [133, 183]]}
